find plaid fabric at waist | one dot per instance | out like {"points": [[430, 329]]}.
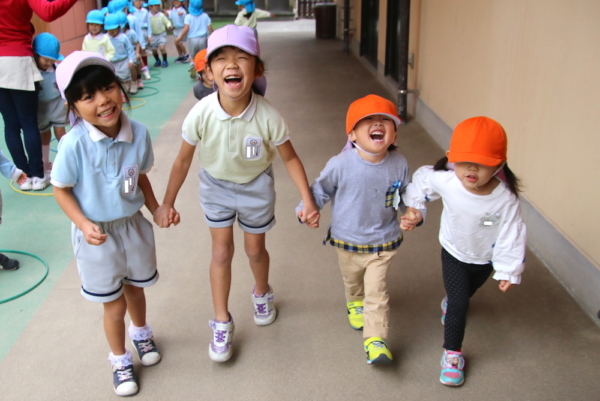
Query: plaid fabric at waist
{"points": [[389, 246]]}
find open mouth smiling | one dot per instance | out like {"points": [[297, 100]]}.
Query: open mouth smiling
{"points": [[233, 80], [107, 112], [377, 136]]}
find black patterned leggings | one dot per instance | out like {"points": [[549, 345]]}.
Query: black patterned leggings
{"points": [[461, 281]]}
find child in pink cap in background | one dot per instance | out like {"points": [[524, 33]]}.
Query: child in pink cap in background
{"points": [[100, 182], [240, 133]]}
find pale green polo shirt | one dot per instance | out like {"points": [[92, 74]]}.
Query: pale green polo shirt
{"points": [[238, 148]]}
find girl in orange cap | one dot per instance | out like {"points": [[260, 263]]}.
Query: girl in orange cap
{"points": [[481, 228]]}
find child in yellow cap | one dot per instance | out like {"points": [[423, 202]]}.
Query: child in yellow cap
{"points": [[372, 174], [481, 228]]}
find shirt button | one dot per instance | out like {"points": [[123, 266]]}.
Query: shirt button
{"points": [[112, 162]]}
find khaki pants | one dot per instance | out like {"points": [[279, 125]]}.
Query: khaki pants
{"points": [[364, 277]]}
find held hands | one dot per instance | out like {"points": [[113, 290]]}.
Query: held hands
{"points": [[410, 219], [504, 285], [166, 215], [310, 214], [92, 233]]}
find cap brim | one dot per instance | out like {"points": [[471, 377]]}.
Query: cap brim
{"points": [[455, 157], [396, 120], [92, 59]]}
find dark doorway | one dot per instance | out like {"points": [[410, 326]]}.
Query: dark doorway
{"points": [[392, 39], [369, 30]]}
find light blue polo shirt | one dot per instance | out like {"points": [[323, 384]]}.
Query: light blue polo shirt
{"points": [[178, 20], [123, 48], [198, 25], [103, 173]]}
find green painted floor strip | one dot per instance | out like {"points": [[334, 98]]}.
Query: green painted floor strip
{"points": [[35, 224]]}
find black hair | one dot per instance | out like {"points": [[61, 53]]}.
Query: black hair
{"points": [[88, 80], [248, 15], [514, 184]]}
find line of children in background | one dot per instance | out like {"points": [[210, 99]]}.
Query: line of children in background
{"points": [[124, 58], [137, 69], [248, 15], [52, 112], [197, 28], [157, 35], [204, 86], [11, 172], [142, 16], [177, 16]]}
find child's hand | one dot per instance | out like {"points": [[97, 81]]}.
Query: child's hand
{"points": [[310, 214], [410, 219], [22, 178], [504, 285], [92, 233], [165, 215]]}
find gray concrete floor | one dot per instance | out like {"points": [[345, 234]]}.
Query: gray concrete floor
{"points": [[533, 343]]}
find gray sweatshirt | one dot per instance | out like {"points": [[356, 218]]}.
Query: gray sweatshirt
{"points": [[361, 196]]}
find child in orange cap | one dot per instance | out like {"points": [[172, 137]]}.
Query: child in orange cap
{"points": [[481, 228], [204, 86], [372, 174]]}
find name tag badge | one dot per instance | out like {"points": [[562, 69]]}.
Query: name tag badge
{"points": [[253, 148], [489, 219], [130, 181]]}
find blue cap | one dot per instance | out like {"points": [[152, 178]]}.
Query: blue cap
{"points": [[196, 7], [154, 2], [123, 19], [46, 45], [117, 5], [95, 17], [112, 21]]}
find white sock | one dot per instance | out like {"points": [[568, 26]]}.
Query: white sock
{"points": [[120, 361], [140, 333]]}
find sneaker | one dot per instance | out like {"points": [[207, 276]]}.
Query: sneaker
{"points": [[264, 310], [124, 380], [147, 351], [145, 74], [193, 73], [355, 314], [219, 349], [7, 263], [133, 87], [453, 365], [157, 63], [377, 351], [444, 308], [27, 185], [140, 83], [179, 59], [39, 184], [186, 58], [165, 64]]}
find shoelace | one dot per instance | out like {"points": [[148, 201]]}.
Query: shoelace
{"points": [[261, 309], [126, 374], [378, 344], [220, 336], [146, 346], [359, 310]]}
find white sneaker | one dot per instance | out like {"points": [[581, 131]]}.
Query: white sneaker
{"points": [[219, 349], [39, 184], [27, 185], [133, 87], [146, 73], [264, 308]]}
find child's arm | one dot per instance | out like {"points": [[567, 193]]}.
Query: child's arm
{"points": [[166, 214], [310, 213], [149, 198], [65, 199], [508, 256], [109, 49], [184, 32]]}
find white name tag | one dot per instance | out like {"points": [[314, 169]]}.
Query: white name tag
{"points": [[252, 148], [130, 175]]}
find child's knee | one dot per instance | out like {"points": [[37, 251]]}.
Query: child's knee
{"points": [[255, 252], [222, 253]]}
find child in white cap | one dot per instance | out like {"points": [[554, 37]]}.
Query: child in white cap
{"points": [[52, 112], [240, 134], [371, 173], [100, 182]]}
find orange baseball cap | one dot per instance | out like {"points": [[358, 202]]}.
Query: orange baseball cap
{"points": [[478, 140], [200, 60], [368, 106]]}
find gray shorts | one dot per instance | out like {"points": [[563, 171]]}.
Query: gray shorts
{"points": [[196, 44], [253, 202], [52, 113], [145, 38], [122, 69], [176, 32], [157, 40], [127, 257]]}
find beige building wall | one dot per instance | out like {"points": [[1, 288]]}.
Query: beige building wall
{"points": [[533, 66]]}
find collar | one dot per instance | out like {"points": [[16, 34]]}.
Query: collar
{"points": [[246, 114], [100, 36], [125, 134]]}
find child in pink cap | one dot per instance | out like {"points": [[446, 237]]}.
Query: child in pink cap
{"points": [[240, 133]]}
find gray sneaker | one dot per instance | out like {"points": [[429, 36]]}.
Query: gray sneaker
{"points": [[219, 349], [7, 263], [147, 351], [124, 381]]}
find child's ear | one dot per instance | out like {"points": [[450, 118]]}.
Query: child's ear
{"points": [[209, 72], [447, 153], [352, 136]]}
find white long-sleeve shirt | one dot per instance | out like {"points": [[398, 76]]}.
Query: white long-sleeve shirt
{"points": [[476, 229]]}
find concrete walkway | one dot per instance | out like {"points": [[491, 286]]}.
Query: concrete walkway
{"points": [[533, 343]]}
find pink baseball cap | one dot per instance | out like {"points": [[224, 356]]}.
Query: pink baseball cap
{"points": [[73, 63], [243, 38]]}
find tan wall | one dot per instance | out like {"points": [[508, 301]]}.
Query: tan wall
{"points": [[70, 28], [534, 66]]}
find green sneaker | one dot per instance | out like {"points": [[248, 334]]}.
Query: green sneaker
{"points": [[355, 314], [377, 351]]}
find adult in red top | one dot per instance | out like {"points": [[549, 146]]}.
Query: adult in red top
{"points": [[18, 99]]}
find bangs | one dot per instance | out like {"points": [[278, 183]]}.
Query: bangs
{"points": [[88, 80]]}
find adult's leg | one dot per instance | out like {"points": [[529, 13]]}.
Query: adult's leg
{"points": [[26, 103], [12, 130]]}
